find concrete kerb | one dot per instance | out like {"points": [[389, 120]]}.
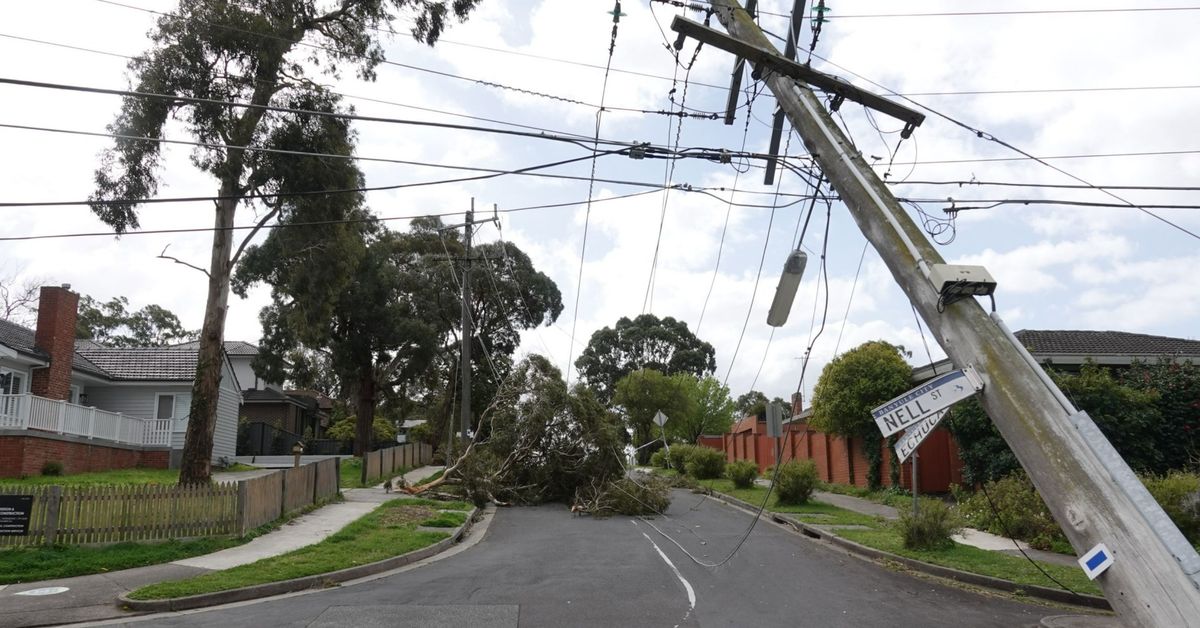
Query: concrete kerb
{"points": [[823, 534], [318, 581]]}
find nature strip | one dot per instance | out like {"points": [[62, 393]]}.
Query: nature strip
{"points": [[1032, 590], [316, 581]]}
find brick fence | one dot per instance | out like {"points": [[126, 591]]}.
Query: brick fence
{"points": [[839, 460], [23, 452]]}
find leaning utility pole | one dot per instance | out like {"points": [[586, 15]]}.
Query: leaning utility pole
{"points": [[1095, 498], [465, 366]]}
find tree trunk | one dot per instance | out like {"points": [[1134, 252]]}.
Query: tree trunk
{"points": [[202, 417], [364, 416]]}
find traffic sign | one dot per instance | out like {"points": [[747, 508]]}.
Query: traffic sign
{"points": [[660, 418], [774, 420], [915, 435], [923, 401]]}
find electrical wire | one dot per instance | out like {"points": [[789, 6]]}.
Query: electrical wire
{"points": [[1025, 155], [853, 286], [612, 45], [986, 203], [1060, 186]]}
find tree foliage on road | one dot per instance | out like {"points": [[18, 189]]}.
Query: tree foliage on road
{"points": [[246, 52], [111, 323], [645, 392], [850, 386], [540, 442], [645, 342]]}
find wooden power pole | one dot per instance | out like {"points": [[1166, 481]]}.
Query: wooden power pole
{"points": [[464, 375], [1152, 579]]}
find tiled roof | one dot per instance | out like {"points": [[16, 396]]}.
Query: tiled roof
{"points": [[23, 339], [1094, 343], [143, 363], [232, 347], [20, 339]]}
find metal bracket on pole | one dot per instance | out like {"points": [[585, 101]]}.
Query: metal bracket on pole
{"points": [[766, 59], [739, 68], [1129, 483]]}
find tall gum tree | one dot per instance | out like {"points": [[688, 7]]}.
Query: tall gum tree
{"points": [[247, 52]]}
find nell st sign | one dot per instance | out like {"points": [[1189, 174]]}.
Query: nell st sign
{"points": [[926, 400]]}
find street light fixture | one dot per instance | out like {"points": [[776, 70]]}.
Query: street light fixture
{"points": [[785, 292]]}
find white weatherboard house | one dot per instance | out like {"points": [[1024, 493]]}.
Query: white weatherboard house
{"points": [[84, 393]]}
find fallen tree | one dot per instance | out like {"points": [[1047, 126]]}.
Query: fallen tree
{"points": [[538, 442]]}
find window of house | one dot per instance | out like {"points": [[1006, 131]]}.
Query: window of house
{"points": [[164, 406], [11, 382]]}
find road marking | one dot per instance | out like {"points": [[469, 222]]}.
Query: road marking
{"points": [[687, 585]]}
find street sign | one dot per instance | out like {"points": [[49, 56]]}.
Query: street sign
{"points": [[1096, 561], [660, 419], [915, 435], [923, 401], [774, 420]]}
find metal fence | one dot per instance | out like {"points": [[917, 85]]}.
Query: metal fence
{"points": [[77, 515]]}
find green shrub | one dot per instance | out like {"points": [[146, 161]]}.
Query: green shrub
{"points": [[1179, 495], [742, 473], [706, 464], [679, 456], [1022, 513], [931, 527], [52, 467], [658, 459], [796, 481]]}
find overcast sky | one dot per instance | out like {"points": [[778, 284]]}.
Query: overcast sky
{"points": [[1058, 267]]}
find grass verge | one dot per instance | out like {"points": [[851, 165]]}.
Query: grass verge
{"points": [[882, 535], [100, 478], [387, 531], [963, 557], [31, 564]]}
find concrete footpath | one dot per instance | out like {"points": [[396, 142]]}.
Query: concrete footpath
{"points": [[968, 536], [88, 598]]}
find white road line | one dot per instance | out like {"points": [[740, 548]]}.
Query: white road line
{"points": [[690, 592]]}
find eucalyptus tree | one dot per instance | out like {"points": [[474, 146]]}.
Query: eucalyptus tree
{"points": [[261, 54]]}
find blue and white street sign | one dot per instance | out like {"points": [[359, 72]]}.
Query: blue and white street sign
{"points": [[1096, 561], [926, 400]]}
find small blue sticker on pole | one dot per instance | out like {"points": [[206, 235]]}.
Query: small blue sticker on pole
{"points": [[1096, 561]]}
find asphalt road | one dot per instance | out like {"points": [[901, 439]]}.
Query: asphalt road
{"points": [[543, 567]]}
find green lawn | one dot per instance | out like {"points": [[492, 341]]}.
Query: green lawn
{"points": [[883, 536], [975, 560], [389, 530], [100, 478], [31, 564], [891, 497]]}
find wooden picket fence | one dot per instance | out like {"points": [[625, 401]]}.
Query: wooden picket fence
{"points": [[98, 515], [385, 462]]}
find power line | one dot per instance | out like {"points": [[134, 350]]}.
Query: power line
{"points": [[408, 66], [1060, 186], [1049, 157], [1006, 13], [323, 86], [1052, 90], [990, 203], [853, 286]]}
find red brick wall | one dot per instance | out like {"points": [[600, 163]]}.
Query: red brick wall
{"points": [[55, 334], [25, 455]]}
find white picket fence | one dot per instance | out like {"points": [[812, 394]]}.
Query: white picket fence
{"points": [[30, 412]]}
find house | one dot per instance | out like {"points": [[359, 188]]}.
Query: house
{"points": [[844, 461], [271, 418], [93, 407]]}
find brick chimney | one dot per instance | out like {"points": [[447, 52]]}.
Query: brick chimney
{"points": [[55, 334]]}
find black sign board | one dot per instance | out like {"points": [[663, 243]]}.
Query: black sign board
{"points": [[14, 514]]}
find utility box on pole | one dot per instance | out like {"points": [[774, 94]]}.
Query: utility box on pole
{"points": [[1153, 578]]}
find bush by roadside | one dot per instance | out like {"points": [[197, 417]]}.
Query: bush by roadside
{"points": [[679, 456], [796, 481], [1020, 512], [930, 527], [1179, 495], [658, 459], [742, 473], [705, 463]]}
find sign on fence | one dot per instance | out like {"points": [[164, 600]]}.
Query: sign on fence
{"points": [[15, 511], [923, 401]]}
